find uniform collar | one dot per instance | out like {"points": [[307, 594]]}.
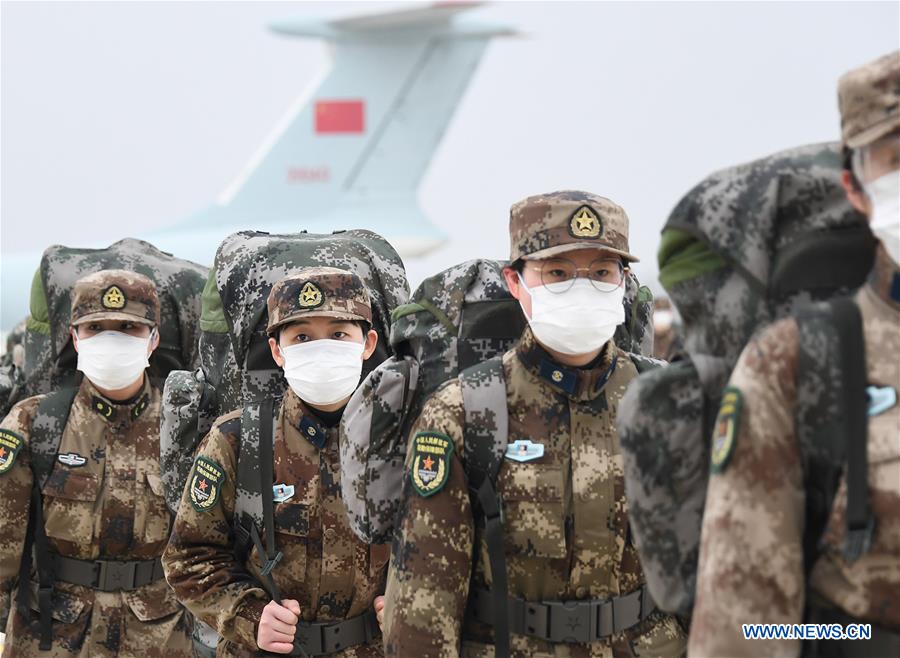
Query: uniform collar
{"points": [[298, 415], [577, 383], [112, 411], [884, 279]]}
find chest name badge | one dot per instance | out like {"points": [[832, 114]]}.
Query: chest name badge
{"points": [[524, 450], [72, 459], [282, 492], [206, 484], [881, 398], [10, 445], [431, 462]]}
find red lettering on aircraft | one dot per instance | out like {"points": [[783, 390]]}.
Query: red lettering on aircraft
{"points": [[308, 175]]}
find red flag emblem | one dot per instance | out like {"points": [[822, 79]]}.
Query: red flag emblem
{"points": [[340, 117]]}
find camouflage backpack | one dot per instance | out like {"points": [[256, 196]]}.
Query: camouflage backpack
{"points": [[236, 366], [748, 245], [460, 318]]}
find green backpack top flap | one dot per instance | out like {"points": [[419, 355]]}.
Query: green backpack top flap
{"points": [[755, 215], [49, 354]]}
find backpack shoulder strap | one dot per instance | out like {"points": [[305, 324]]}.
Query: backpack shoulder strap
{"points": [[253, 505], [47, 429], [486, 436], [832, 421], [487, 419]]}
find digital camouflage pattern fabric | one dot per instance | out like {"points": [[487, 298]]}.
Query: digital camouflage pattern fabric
{"points": [[325, 567], [318, 291], [869, 101], [746, 246], [49, 356], [115, 295], [103, 500], [566, 518], [457, 318], [547, 225], [751, 558]]}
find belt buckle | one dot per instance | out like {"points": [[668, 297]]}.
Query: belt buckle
{"points": [[115, 576], [570, 621]]}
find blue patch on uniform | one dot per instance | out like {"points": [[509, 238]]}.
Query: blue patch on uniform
{"points": [[282, 492], [313, 432], [881, 398], [524, 450]]}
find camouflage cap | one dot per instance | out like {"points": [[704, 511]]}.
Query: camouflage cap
{"points": [[318, 291], [869, 100], [115, 295], [550, 224]]}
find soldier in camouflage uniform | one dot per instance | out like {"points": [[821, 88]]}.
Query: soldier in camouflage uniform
{"points": [[751, 566], [328, 579], [565, 516], [105, 518]]}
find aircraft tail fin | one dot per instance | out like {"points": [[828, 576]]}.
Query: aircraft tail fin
{"points": [[361, 139]]}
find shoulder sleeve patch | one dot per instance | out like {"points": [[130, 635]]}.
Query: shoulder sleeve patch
{"points": [[431, 462], [206, 484], [726, 429], [10, 445]]}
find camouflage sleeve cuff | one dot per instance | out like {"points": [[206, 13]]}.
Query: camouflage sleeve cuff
{"points": [[246, 622]]}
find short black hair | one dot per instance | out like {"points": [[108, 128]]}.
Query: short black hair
{"points": [[847, 156]]}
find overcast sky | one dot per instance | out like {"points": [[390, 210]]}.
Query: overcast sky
{"points": [[125, 116]]}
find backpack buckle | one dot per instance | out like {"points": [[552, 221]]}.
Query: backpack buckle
{"points": [[270, 564], [859, 540]]}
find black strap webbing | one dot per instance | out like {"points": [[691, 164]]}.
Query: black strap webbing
{"points": [[44, 568], [493, 538], [860, 521], [266, 458]]}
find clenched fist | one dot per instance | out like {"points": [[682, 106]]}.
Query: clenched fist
{"points": [[277, 626]]}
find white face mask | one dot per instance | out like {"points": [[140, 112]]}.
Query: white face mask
{"points": [[578, 321], [323, 372], [884, 193], [113, 360]]}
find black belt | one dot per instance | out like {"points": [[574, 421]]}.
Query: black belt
{"points": [[323, 638], [567, 621], [107, 575]]}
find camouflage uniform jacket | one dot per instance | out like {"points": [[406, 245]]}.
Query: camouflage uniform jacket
{"points": [[565, 517], [331, 573], [110, 507], [751, 555]]}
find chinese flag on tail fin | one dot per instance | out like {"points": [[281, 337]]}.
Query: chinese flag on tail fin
{"points": [[340, 117]]}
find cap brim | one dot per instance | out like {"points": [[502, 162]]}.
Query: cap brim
{"points": [[874, 133], [113, 315], [336, 315], [575, 246]]}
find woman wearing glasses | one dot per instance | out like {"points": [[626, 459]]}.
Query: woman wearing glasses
{"points": [[553, 558]]}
